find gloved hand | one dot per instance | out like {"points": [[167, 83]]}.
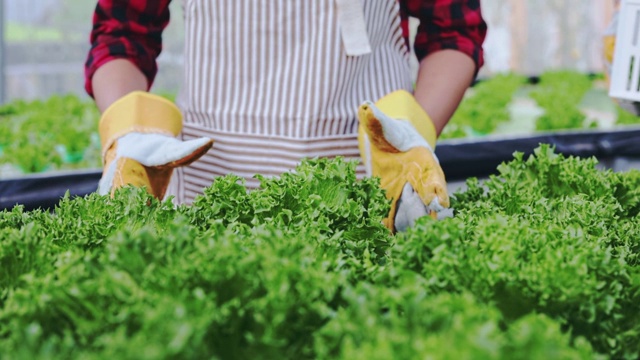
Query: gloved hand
{"points": [[397, 139], [139, 147]]}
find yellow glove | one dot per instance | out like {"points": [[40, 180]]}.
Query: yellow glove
{"points": [[396, 139], [139, 147]]}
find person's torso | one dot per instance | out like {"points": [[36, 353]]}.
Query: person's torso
{"points": [[279, 67], [271, 81]]}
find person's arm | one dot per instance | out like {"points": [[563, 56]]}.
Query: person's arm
{"points": [[449, 46], [116, 79], [443, 78], [123, 51]]}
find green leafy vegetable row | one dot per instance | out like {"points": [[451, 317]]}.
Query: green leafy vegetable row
{"points": [[59, 133], [485, 107], [559, 93], [540, 261]]}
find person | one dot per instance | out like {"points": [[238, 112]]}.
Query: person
{"points": [[268, 83]]}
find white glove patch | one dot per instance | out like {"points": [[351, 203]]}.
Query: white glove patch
{"points": [[410, 207], [400, 132], [149, 150]]}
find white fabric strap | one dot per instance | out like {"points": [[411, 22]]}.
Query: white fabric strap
{"points": [[353, 27]]}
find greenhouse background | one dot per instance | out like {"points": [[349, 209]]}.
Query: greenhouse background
{"points": [[45, 42]]}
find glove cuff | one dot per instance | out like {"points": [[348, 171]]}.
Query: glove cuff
{"points": [[139, 111], [401, 104]]}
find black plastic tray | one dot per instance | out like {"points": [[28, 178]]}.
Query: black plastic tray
{"points": [[460, 159], [45, 190]]}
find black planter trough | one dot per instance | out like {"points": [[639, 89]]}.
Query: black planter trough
{"points": [[460, 159]]}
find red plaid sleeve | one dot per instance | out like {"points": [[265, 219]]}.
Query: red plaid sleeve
{"points": [[127, 29], [446, 24]]}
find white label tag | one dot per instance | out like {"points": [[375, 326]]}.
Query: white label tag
{"points": [[353, 27]]}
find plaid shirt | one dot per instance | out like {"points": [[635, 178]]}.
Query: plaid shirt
{"points": [[132, 30]]}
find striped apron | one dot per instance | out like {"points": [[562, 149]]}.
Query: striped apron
{"points": [[272, 82]]}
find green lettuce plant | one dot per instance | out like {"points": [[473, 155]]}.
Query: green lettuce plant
{"points": [[548, 234], [485, 107], [559, 93], [51, 134], [540, 261]]}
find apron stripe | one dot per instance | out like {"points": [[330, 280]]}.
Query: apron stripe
{"points": [[270, 83]]}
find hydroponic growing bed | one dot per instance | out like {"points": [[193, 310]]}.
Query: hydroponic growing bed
{"points": [[50, 147], [510, 113], [540, 262]]}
